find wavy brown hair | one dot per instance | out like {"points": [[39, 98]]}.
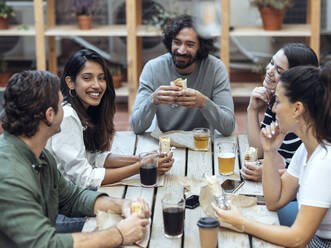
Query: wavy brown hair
{"points": [[186, 21], [98, 120], [27, 97]]}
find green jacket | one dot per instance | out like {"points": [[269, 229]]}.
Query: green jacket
{"points": [[29, 205]]}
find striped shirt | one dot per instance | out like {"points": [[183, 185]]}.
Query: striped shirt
{"points": [[290, 143]]}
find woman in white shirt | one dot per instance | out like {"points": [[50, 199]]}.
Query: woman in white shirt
{"points": [[303, 106], [81, 147]]}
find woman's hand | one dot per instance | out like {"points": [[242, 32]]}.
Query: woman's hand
{"points": [[232, 216], [252, 171], [271, 137], [259, 98], [165, 162]]}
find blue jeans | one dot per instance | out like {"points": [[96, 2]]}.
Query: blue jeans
{"points": [[66, 224], [288, 213]]}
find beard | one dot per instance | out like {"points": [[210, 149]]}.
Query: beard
{"points": [[181, 64]]}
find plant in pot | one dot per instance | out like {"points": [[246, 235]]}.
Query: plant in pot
{"points": [[272, 12], [5, 12], [84, 10], [158, 16], [116, 74]]}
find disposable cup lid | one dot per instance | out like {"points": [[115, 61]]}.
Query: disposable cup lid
{"points": [[208, 222]]}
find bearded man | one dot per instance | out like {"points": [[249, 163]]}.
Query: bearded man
{"points": [[207, 100]]}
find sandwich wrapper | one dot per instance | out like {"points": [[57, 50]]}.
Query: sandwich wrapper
{"points": [[105, 220], [246, 205], [135, 181], [178, 138]]}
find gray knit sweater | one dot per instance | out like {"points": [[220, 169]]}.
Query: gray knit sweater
{"points": [[209, 77]]}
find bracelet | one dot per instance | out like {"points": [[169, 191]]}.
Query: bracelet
{"points": [[122, 237]]}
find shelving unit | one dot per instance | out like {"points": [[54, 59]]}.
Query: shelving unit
{"points": [[134, 32], [311, 30]]}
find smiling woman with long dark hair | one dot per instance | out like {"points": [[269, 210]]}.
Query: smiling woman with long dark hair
{"points": [[81, 148]]}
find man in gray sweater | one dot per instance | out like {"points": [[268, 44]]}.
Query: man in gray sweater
{"points": [[207, 101]]}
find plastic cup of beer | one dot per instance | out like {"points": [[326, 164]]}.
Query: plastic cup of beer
{"points": [[201, 139], [226, 157]]}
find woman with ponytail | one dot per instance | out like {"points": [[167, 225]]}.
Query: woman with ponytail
{"points": [[302, 106]]}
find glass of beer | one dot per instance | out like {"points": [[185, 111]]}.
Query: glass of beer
{"points": [[201, 139], [173, 209], [226, 157], [148, 168]]}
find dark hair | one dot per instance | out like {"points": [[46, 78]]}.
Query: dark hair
{"points": [[98, 120], [27, 97], [299, 54], [311, 86], [186, 21]]}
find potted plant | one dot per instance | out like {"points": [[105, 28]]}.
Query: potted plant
{"points": [[5, 12], [117, 75], [84, 10], [159, 17], [4, 74], [272, 12]]}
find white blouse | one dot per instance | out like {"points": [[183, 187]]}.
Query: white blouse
{"points": [[83, 168], [314, 182]]}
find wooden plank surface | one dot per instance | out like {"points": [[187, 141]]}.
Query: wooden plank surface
{"points": [[250, 187], [288, 30], [123, 144], [226, 237], [95, 31], [198, 164], [133, 49], [315, 20], [171, 186], [52, 63], [40, 35], [261, 214], [18, 30], [121, 148], [225, 37]]}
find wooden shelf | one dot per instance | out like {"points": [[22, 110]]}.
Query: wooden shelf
{"points": [[18, 30], [148, 31], [311, 29], [286, 31], [133, 30], [96, 31], [243, 89]]}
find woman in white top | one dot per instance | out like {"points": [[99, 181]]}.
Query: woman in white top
{"points": [[81, 147], [302, 106]]}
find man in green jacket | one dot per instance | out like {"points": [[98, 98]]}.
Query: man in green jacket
{"points": [[33, 191]]}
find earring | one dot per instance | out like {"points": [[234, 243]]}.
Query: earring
{"points": [[71, 94]]}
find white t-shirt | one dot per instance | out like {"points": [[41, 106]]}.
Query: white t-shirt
{"points": [[83, 168], [314, 182]]}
